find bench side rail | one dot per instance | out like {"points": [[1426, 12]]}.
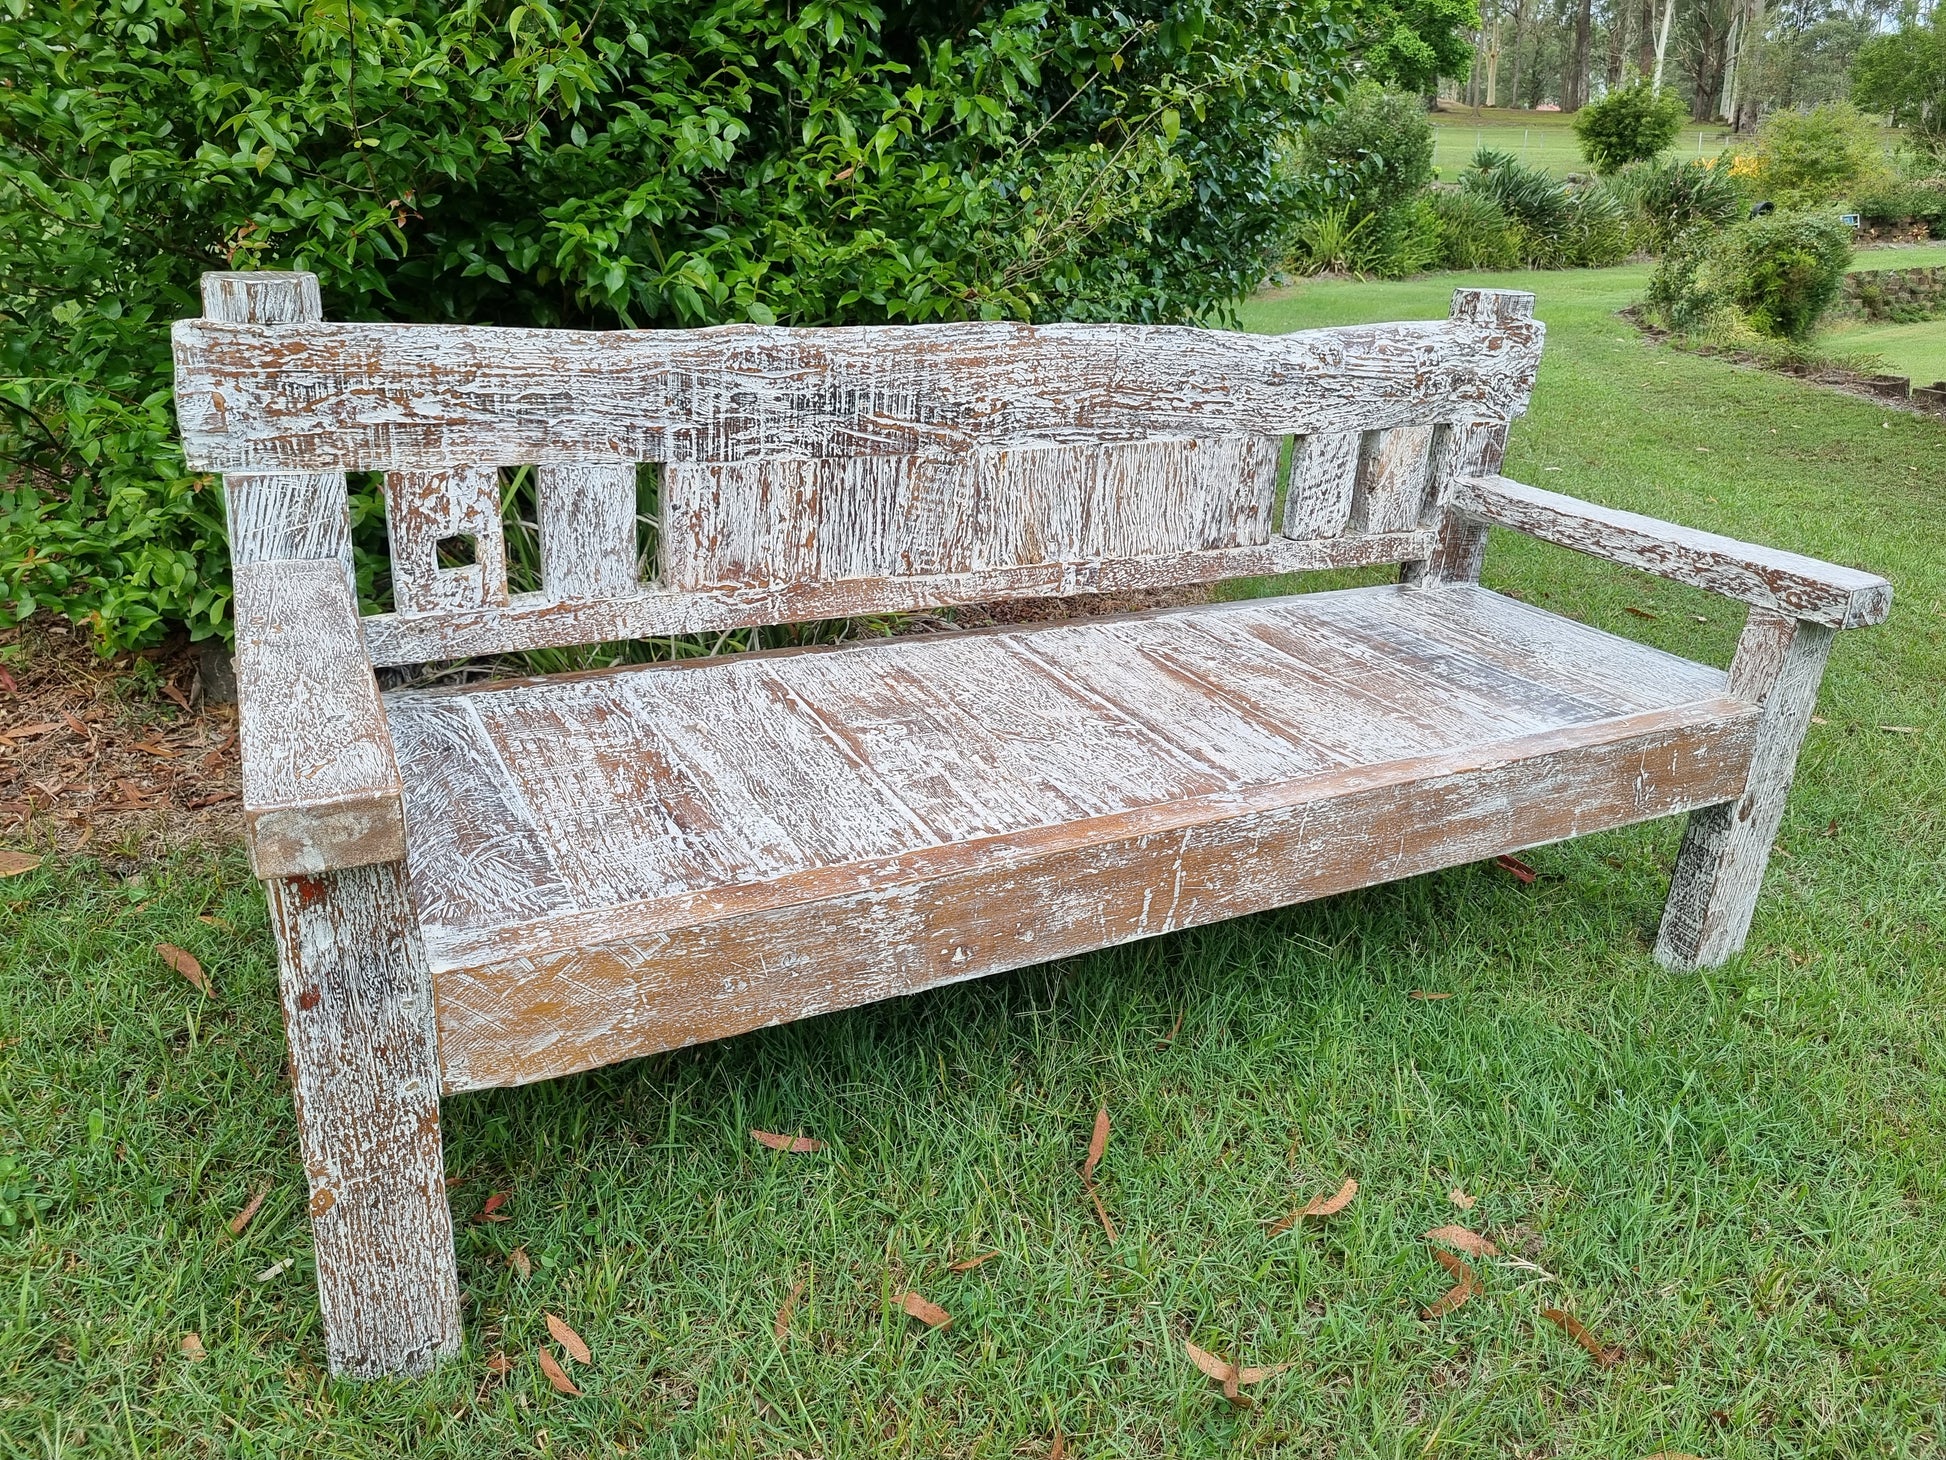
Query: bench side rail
{"points": [[810, 474]]}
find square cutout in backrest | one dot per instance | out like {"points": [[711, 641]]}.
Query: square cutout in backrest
{"points": [[459, 551]]}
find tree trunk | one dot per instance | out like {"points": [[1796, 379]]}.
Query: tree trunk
{"points": [[1574, 85], [1520, 28], [1645, 41], [1617, 44]]}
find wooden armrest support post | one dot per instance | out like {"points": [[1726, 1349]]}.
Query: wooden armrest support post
{"points": [[321, 789], [1786, 583]]}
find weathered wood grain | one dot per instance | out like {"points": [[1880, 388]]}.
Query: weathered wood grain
{"points": [[1471, 449], [1789, 583], [358, 1011], [320, 787], [556, 811], [425, 508], [587, 530], [1324, 473], [1391, 485], [535, 621], [1050, 894], [284, 397], [1725, 848]]}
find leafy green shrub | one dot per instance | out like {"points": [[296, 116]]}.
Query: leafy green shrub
{"points": [[1667, 198], [1898, 202], [1556, 225], [1629, 124], [1807, 158], [1379, 143], [647, 162], [1776, 274], [1468, 231], [1903, 73]]}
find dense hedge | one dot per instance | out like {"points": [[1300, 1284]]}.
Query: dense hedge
{"points": [[1774, 275], [664, 162]]}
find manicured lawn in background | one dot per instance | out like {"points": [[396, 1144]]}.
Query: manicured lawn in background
{"points": [[1541, 139], [1737, 1177], [1917, 350]]}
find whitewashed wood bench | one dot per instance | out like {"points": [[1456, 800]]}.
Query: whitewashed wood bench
{"points": [[500, 883]]}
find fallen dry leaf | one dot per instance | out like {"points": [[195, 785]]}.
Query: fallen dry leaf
{"points": [[967, 1264], [1461, 1291], [557, 1376], [1519, 868], [160, 752], [499, 1364], [13, 864], [242, 1218], [1097, 1144], [184, 963], [1607, 1355], [276, 1269], [796, 1145], [1458, 1197], [520, 1262], [1059, 1449], [1466, 1241], [1643, 612], [926, 1311], [178, 696], [491, 1211], [1427, 994], [1901, 729], [784, 1310], [192, 1348], [568, 1339], [1228, 1374], [1317, 1206], [7, 682], [1819, 720]]}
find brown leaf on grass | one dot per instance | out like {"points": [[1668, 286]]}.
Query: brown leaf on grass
{"points": [[1427, 994], [926, 1311], [1228, 1374], [192, 1348], [557, 1376], [1519, 868], [1097, 1144], [491, 1211], [520, 1262], [1059, 1449], [1643, 612], [967, 1264], [13, 864], [499, 1364], [1900, 729], [796, 1145], [568, 1339], [215, 922], [1458, 1197], [242, 1218], [784, 1310], [1461, 1291], [1317, 1206], [1460, 1237], [1174, 1029], [184, 963], [1607, 1355], [1097, 1147]]}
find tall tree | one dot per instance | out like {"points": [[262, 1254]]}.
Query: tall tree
{"points": [[1574, 85]]}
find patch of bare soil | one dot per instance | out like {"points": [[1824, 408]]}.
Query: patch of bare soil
{"points": [[120, 755]]}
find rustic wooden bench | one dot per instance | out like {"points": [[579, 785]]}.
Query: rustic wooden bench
{"points": [[503, 882]]}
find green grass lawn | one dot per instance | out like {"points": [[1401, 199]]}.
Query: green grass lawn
{"points": [[1737, 1176], [1917, 350], [1542, 139]]}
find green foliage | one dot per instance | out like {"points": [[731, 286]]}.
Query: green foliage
{"points": [[1409, 44], [1903, 74], [1775, 274], [1629, 124], [1469, 231], [1555, 225], [650, 162], [1807, 158], [1902, 201], [1670, 197], [1379, 144]]}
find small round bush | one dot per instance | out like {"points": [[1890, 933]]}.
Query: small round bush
{"points": [[1778, 273], [1670, 197], [1806, 158], [1629, 124], [1379, 143]]}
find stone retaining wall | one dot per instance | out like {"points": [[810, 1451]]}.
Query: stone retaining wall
{"points": [[1901, 295]]}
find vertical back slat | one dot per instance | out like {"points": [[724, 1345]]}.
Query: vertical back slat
{"points": [[423, 508], [1390, 491], [1317, 502], [587, 522]]}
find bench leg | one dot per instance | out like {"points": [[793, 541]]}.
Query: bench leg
{"points": [[1779, 663], [358, 1012]]}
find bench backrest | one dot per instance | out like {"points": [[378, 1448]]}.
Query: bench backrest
{"points": [[820, 473]]}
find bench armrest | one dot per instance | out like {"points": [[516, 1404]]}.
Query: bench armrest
{"points": [[321, 788], [1788, 583]]}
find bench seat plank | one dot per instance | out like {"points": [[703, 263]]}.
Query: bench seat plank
{"points": [[578, 823]]}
